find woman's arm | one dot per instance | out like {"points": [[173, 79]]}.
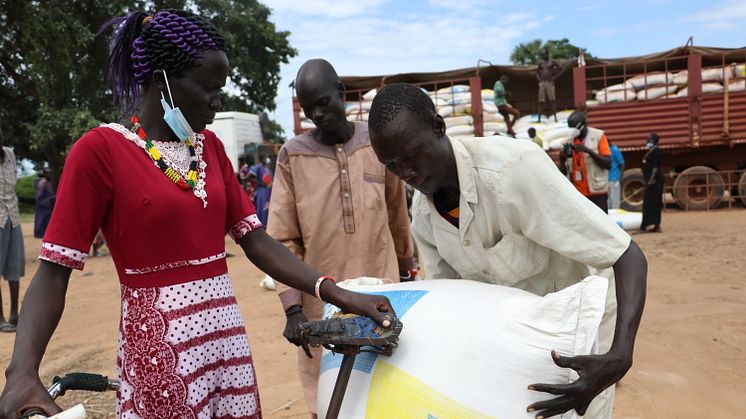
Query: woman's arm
{"points": [[275, 259], [42, 308]]}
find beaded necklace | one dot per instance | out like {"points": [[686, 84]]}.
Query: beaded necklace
{"points": [[173, 175]]}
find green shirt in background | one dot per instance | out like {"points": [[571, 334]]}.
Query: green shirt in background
{"points": [[499, 94]]}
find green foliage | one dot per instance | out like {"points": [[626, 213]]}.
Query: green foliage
{"points": [[52, 81], [26, 193], [277, 135], [530, 52], [25, 188]]}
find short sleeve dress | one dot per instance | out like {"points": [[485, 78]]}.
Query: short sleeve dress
{"points": [[183, 350]]}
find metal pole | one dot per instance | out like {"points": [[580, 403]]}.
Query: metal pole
{"points": [[335, 404]]}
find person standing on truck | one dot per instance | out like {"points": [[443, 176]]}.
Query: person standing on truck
{"points": [[503, 106], [546, 72], [501, 213], [652, 201], [586, 160], [615, 176], [335, 207]]}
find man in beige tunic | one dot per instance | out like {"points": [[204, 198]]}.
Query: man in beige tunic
{"points": [[334, 206]]}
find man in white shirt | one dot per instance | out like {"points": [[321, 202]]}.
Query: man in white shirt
{"points": [[500, 212]]}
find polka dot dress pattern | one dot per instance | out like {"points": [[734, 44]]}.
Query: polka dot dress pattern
{"points": [[184, 353]]}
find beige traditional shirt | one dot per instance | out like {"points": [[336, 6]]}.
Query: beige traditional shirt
{"points": [[339, 210], [8, 198], [522, 223]]}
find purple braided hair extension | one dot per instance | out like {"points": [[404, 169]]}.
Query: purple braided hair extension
{"points": [[170, 40], [123, 82]]}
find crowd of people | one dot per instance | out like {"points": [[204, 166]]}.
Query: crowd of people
{"points": [[161, 191]]}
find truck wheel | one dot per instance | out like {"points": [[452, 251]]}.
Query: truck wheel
{"points": [[633, 190], [742, 188], [698, 188]]}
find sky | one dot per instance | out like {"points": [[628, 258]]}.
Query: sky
{"points": [[374, 37]]}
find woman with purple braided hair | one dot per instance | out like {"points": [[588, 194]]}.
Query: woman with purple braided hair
{"points": [[164, 193]]}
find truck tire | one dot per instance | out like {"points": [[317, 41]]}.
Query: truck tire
{"points": [[742, 188], [691, 191], [632, 190]]}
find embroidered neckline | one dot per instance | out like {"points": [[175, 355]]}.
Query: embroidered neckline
{"points": [[184, 182], [198, 142]]}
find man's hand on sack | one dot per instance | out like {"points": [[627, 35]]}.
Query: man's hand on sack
{"points": [[597, 372]]}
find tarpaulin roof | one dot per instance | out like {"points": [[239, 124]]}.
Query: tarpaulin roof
{"points": [[523, 82], [490, 73]]}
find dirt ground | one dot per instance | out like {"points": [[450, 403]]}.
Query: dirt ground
{"points": [[690, 356]]}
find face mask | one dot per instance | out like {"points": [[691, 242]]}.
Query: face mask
{"points": [[650, 145], [574, 132], [173, 116], [267, 161]]}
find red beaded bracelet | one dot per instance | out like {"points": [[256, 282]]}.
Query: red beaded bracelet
{"points": [[319, 282]]}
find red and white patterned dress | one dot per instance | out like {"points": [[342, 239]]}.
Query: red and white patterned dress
{"points": [[183, 350]]}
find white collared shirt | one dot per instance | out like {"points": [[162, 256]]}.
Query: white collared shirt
{"points": [[522, 223]]}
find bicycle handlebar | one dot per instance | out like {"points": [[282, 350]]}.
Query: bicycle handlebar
{"points": [[74, 381], [81, 381]]}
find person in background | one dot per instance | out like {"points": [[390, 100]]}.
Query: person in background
{"points": [[586, 160], [44, 204], [243, 171], [335, 207], [652, 203], [503, 106], [263, 175], [534, 137], [12, 254], [615, 176], [546, 72]]}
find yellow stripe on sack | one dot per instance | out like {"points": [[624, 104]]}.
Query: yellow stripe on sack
{"points": [[388, 384]]}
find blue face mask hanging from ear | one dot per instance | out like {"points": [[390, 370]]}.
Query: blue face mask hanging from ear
{"points": [[173, 116]]}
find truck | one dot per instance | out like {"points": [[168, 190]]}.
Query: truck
{"points": [[240, 133], [694, 98]]}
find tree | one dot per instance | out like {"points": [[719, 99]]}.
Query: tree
{"points": [[530, 52], [52, 83]]}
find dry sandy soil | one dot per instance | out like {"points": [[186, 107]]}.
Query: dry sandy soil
{"points": [[690, 359]]}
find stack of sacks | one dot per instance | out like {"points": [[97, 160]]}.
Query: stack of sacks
{"points": [[494, 122], [707, 87], [452, 100], [556, 135], [453, 103], [528, 121], [552, 133], [306, 123], [459, 126], [358, 110], [616, 93], [657, 85]]}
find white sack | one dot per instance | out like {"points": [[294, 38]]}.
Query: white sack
{"points": [[655, 92], [459, 120], [468, 350], [460, 131]]}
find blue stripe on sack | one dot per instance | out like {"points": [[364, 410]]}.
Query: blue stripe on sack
{"points": [[402, 302]]}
